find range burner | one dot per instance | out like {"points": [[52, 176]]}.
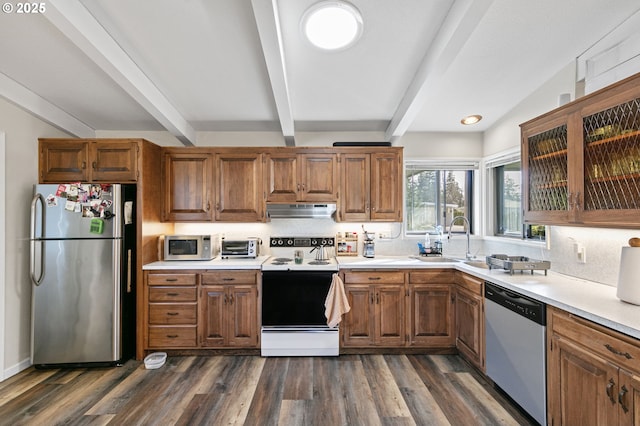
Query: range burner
{"points": [[319, 262], [281, 260]]}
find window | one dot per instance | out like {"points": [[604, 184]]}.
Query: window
{"points": [[434, 196], [508, 198]]}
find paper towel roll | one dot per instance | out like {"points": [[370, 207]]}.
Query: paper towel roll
{"points": [[629, 278]]}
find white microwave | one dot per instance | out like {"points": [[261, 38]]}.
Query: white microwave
{"points": [[190, 247]]}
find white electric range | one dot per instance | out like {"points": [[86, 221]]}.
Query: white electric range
{"points": [[293, 297]]}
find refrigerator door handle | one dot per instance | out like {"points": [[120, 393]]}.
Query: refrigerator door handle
{"points": [[36, 239]]}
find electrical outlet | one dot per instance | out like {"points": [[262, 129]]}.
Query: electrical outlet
{"points": [[581, 253]]}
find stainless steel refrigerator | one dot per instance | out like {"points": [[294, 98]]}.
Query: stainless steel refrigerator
{"points": [[82, 266]]}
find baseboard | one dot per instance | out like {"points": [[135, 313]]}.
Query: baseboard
{"points": [[15, 369]]}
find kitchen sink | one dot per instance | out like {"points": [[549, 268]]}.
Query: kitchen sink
{"points": [[477, 264]]}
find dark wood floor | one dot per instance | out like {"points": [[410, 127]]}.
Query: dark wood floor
{"points": [[250, 390]]}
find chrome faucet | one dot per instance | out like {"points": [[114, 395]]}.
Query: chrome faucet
{"points": [[468, 255]]}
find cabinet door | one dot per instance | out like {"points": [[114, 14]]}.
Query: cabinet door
{"points": [[386, 187], [356, 189], [64, 161], [431, 315], [243, 316], [611, 152], [582, 386], [319, 177], [281, 177], [239, 192], [187, 186], [115, 161], [389, 315], [357, 327], [629, 398], [213, 324], [545, 160], [470, 326]]}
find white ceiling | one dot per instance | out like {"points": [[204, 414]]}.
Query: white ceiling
{"points": [[216, 65]]}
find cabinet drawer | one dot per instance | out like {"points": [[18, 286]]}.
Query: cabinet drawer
{"points": [[172, 279], [374, 277], [172, 294], [166, 313], [229, 277], [172, 337], [621, 349], [469, 282], [436, 276]]}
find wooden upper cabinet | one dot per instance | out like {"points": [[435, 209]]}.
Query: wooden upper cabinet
{"points": [[582, 160], [386, 186], [115, 161], [81, 160], [239, 192], [188, 185], [309, 177], [64, 161], [371, 186], [355, 196], [281, 177]]}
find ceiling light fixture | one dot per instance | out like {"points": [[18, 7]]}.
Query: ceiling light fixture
{"points": [[471, 119], [332, 25]]}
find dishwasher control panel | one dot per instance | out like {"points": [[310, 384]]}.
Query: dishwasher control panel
{"points": [[518, 303]]}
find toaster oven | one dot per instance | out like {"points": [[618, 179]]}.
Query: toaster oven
{"points": [[248, 247]]}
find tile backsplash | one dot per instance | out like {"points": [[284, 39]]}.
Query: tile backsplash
{"points": [[601, 246]]}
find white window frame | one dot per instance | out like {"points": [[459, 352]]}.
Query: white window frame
{"points": [[489, 200], [447, 164]]}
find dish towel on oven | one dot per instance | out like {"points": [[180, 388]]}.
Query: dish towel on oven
{"points": [[336, 303]]}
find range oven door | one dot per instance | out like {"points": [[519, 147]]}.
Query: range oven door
{"points": [[293, 320]]}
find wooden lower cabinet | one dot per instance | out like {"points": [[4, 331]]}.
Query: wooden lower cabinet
{"points": [[229, 309], [172, 307], [377, 302], [431, 306], [201, 309], [593, 373], [469, 319]]}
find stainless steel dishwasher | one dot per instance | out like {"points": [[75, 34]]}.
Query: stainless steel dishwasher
{"points": [[516, 348]]}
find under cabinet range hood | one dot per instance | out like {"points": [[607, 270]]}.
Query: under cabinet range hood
{"points": [[300, 211]]}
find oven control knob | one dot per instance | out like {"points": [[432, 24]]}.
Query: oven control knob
{"points": [[280, 242], [274, 242], [289, 242], [314, 242]]}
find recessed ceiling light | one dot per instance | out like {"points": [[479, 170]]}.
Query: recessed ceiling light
{"points": [[471, 119], [332, 25]]}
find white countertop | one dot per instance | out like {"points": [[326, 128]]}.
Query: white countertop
{"points": [[216, 263], [590, 300]]}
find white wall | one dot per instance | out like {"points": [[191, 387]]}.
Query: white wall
{"points": [[21, 170], [505, 134]]}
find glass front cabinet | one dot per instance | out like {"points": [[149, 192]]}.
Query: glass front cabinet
{"points": [[581, 162]]}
